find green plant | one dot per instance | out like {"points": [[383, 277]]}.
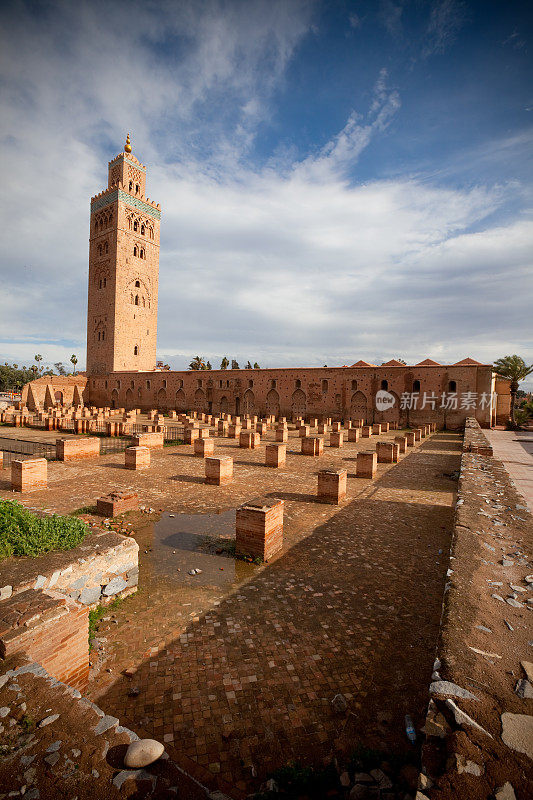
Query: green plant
{"points": [[96, 614], [23, 533], [515, 369], [27, 723], [172, 442]]}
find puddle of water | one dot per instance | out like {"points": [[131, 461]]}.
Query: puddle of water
{"points": [[175, 546]]}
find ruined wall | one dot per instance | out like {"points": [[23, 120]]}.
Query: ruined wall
{"points": [[341, 392], [481, 699]]}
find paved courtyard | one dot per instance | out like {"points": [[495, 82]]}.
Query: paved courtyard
{"points": [[235, 669], [515, 450]]}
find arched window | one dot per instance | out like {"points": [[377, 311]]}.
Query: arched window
{"points": [[384, 385], [164, 384], [141, 253], [452, 386], [103, 335], [137, 284], [99, 249], [354, 386], [136, 188], [132, 384], [142, 230], [250, 384], [324, 387], [105, 282], [144, 303], [136, 299], [100, 284], [99, 335], [130, 186], [135, 250], [298, 383], [136, 225], [135, 352], [151, 233], [272, 384], [416, 386], [106, 247]]}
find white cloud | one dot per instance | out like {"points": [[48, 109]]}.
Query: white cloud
{"points": [[288, 263]]}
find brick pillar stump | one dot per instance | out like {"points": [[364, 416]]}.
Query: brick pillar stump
{"points": [[385, 452], [261, 428], [137, 457], [116, 503], [234, 431], [336, 439], [312, 446], [151, 440], [236, 420], [331, 485], [222, 428], [76, 449], [335, 427], [282, 435], [304, 430], [366, 431], [418, 434], [275, 455], [385, 427], [322, 428], [401, 441], [393, 426], [218, 471], [203, 433], [191, 435], [376, 428], [204, 447], [29, 474], [366, 465], [259, 528], [410, 438], [246, 424], [354, 434], [249, 440], [1, 460]]}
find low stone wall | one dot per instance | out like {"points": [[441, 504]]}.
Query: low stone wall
{"points": [[475, 440], [479, 726], [103, 566], [50, 629]]}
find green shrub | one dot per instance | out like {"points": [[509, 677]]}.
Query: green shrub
{"points": [[23, 533]]}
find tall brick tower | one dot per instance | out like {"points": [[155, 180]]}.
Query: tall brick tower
{"points": [[123, 271]]}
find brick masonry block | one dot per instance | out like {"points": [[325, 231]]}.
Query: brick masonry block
{"points": [[366, 431], [401, 441], [259, 528], [331, 485], [218, 471], [249, 440], [335, 427], [304, 430], [385, 452], [312, 446], [275, 455], [354, 434], [191, 435], [117, 503], [76, 449], [151, 440], [385, 427], [322, 428], [336, 439], [367, 464], [222, 428], [376, 428], [204, 447], [28, 475], [234, 431], [282, 435], [418, 434], [137, 457], [410, 438]]}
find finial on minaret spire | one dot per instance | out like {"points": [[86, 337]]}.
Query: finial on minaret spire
{"points": [[127, 146]]}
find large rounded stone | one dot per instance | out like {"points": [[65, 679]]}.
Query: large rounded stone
{"points": [[517, 732], [143, 752]]}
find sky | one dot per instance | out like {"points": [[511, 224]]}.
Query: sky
{"points": [[338, 180]]}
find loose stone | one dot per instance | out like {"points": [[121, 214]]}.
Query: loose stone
{"points": [[142, 753]]}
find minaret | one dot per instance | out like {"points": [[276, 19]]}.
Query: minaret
{"points": [[123, 271]]}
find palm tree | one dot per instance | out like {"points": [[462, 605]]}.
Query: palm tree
{"points": [[515, 370], [74, 361], [197, 363], [38, 357]]}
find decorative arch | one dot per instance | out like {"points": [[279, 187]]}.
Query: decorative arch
{"points": [[129, 398], [248, 402], [298, 403], [162, 398], [392, 414], [114, 398], [199, 400], [180, 400], [358, 406], [272, 403], [224, 405], [58, 397]]}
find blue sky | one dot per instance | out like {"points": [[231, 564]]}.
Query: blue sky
{"points": [[339, 180]]}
